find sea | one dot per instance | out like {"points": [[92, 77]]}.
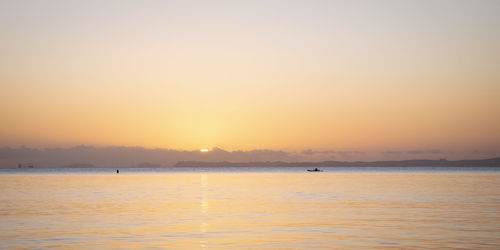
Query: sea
{"points": [[250, 208]]}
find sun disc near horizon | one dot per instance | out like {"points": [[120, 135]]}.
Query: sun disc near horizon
{"points": [[203, 150]]}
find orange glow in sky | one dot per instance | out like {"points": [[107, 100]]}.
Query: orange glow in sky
{"points": [[251, 75]]}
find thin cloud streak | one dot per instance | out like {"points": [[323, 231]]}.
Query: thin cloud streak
{"points": [[424, 152]]}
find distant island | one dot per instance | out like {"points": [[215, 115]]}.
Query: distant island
{"points": [[493, 162]]}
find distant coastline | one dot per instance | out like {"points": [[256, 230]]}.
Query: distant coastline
{"points": [[492, 162]]}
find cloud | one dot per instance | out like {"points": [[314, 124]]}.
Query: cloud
{"points": [[350, 153], [423, 152], [131, 156], [392, 152], [322, 155], [313, 152], [308, 152]]}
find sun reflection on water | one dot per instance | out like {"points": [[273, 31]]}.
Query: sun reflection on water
{"points": [[203, 207], [245, 210]]}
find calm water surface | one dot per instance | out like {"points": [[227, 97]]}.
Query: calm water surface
{"points": [[250, 208]]}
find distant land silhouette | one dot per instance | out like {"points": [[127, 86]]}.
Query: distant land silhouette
{"points": [[119, 156], [492, 162]]}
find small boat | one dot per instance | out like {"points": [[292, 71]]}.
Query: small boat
{"points": [[314, 170]]}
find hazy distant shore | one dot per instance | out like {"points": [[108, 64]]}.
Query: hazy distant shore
{"points": [[492, 162]]}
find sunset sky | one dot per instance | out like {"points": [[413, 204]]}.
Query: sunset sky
{"points": [[368, 76]]}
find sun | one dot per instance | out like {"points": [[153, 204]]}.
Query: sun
{"points": [[203, 150]]}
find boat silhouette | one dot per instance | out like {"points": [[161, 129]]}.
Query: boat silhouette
{"points": [[315, 170]]}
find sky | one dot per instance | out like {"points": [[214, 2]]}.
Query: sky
{"points": [[381, 78]]}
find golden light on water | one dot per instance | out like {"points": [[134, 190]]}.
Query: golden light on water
{"points": [[169, 124], [212, 210]]}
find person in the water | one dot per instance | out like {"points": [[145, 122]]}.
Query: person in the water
{"points": [[117, 171]]}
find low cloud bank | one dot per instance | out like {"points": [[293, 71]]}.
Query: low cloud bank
{"points": [[118, 156], [424, 152], [128, 156]]}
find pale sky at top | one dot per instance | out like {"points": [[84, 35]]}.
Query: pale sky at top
{"points": [[282, 75]]}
